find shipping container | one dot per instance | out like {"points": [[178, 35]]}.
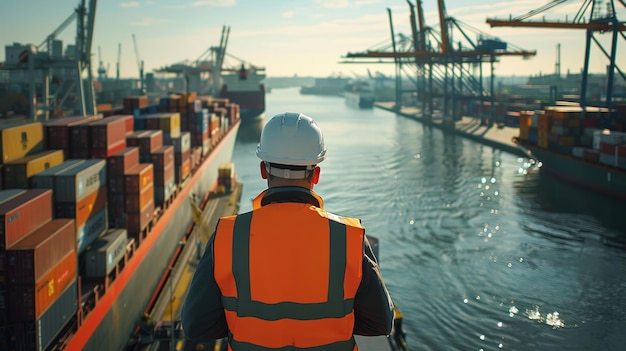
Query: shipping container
{"points": [[162, 157], [183, 143], [88, 232], [103, 255], [58, 132], [123, 160], [77, 182], [138, 178], [17, 173], [30, 258], [136, 222], [129, 122], [24, 213], [107, 132], [165, 177], [45, 179], [135, 202], [148, 141], [82, 210], [9, 194], [168, 122], [79, 141], [20, 139], [27, 302], [38, 335]]}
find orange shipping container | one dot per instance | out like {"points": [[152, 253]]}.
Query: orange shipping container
{"points": [[19, 140], [135, 202], [26, 302], [17, 173], [32, 257], [138, 178], [83, 209]]}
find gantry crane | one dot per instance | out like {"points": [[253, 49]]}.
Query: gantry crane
{"points": [[139, 66], [43, 61], [437, 67], [102, 72], [592, 19]]}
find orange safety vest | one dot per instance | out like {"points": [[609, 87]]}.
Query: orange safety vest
{"points": [[288, 273]]}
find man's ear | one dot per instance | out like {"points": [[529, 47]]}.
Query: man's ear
{"points": [[263, 170], [316, 175]]}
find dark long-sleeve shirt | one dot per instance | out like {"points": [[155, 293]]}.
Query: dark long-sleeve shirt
{"points": [[203, 314]]}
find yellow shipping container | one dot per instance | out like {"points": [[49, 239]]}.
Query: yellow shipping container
{"points": [[17, 173], [170, 123], [19, 140]]}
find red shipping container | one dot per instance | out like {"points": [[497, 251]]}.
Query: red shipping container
{"points": [[30, 258], [81, 211], [26, 302], [58, 132], [129, 122], [164, 177], [138, 178], [123, 160], [108, 151], [106, 132], [135, 202], [23, 214], [148, 141], [163, 157], [136, 222], [621, 150], [115, 186]]}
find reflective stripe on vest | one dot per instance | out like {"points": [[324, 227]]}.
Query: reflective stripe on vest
{"points": [[255, 316], [334, 307]]}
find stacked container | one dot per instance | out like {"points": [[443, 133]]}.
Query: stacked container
{"points": [[105, 253], [167, 122], [129, 122], [18, 173], [164, 179], [148, 142], [139, 197], [81, 194], [182, 156], [58, 132], [131, 103], [107, 136], [20, 139], [117, 165]]}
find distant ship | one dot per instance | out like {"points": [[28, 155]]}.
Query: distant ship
{"points": [[326, 86], [246, 88]]}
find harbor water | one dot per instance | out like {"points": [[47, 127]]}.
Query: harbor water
{"points": [[479, 251]]}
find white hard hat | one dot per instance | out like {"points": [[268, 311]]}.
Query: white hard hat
{"points": [[291, 139]]}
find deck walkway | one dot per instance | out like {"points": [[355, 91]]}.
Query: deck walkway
{"points": [[469, 127]]}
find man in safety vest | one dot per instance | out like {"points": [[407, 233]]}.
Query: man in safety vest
{"points": [[288, 275]]}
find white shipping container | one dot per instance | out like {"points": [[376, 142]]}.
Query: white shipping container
{"points": [[105, 252], [578, 151], [45, 179], [75, 183], [613, 137]]}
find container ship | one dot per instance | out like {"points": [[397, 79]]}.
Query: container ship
{"points": [[586, 147], [245, 87], [92, 209]]}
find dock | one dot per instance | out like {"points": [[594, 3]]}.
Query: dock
{"points": [[500, 137]]}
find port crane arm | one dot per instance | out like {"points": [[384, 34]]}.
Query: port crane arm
{"points": [[445, 42], [58, 30]]}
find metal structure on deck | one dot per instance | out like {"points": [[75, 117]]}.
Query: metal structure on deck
{"points": [[41, 65], [593, 16], [207, 67], [444, 68]]}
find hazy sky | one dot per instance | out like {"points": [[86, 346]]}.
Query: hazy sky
{"points": [[303, 37]]}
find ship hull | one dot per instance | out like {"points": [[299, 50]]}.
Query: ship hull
{"points": [[599, 178], [251, 103], [113, 320]]}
